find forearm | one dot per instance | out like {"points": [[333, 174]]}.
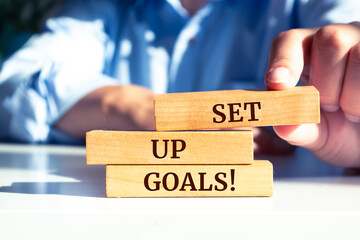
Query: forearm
{"points": [[110, 107]]}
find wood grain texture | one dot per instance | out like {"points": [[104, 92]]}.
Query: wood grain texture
{"points": [[196, 110], [198, 147], [190, 181]]}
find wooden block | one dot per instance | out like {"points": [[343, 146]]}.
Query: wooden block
{"points": [[200, 147], [236, 108], [189, 181]]}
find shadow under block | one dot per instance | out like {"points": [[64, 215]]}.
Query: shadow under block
{"points": [[190, 181], [236, 108], [197, 147]]}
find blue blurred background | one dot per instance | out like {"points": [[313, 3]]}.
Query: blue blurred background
{"points": [[21, 18]]}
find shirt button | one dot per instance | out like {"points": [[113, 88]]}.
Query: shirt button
{"points": [[192, 41]]}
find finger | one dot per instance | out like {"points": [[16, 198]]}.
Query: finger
{"points": [[310, 136], [350, 100], [256, 149], [289, 54], [329, 55]]}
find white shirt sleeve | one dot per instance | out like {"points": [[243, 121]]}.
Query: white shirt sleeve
{"points": [[55, 69]]}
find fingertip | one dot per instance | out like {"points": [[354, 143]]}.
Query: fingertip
{"points": [[278, 75], [256, 148], [352, 118], [305, 135], [330, 108], [278, 78], [285, 131]]}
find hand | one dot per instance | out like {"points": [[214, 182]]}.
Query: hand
{"points": [[266, 141], [329, 59], [128, 107]]}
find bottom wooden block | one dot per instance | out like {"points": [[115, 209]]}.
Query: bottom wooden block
{"points": [[190, 180]]}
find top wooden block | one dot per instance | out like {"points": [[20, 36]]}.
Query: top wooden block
{"points": [[236, 108]]}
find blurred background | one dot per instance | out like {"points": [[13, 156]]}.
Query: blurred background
{"points": [[19, 19]]}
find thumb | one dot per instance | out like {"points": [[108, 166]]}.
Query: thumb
{"points": [[289, 53], [289, 56], [311, 136]]}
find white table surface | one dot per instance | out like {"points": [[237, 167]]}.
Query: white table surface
{"points": [[48, 192]]}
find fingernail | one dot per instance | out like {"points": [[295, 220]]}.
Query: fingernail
{"points": [[279, 75], [330, 108], [352, 118]]}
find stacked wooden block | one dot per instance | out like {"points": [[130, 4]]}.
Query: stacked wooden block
{"points": [[174, 163]]}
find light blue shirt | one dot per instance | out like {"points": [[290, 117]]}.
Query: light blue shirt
{"points": [[153, 43]]}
